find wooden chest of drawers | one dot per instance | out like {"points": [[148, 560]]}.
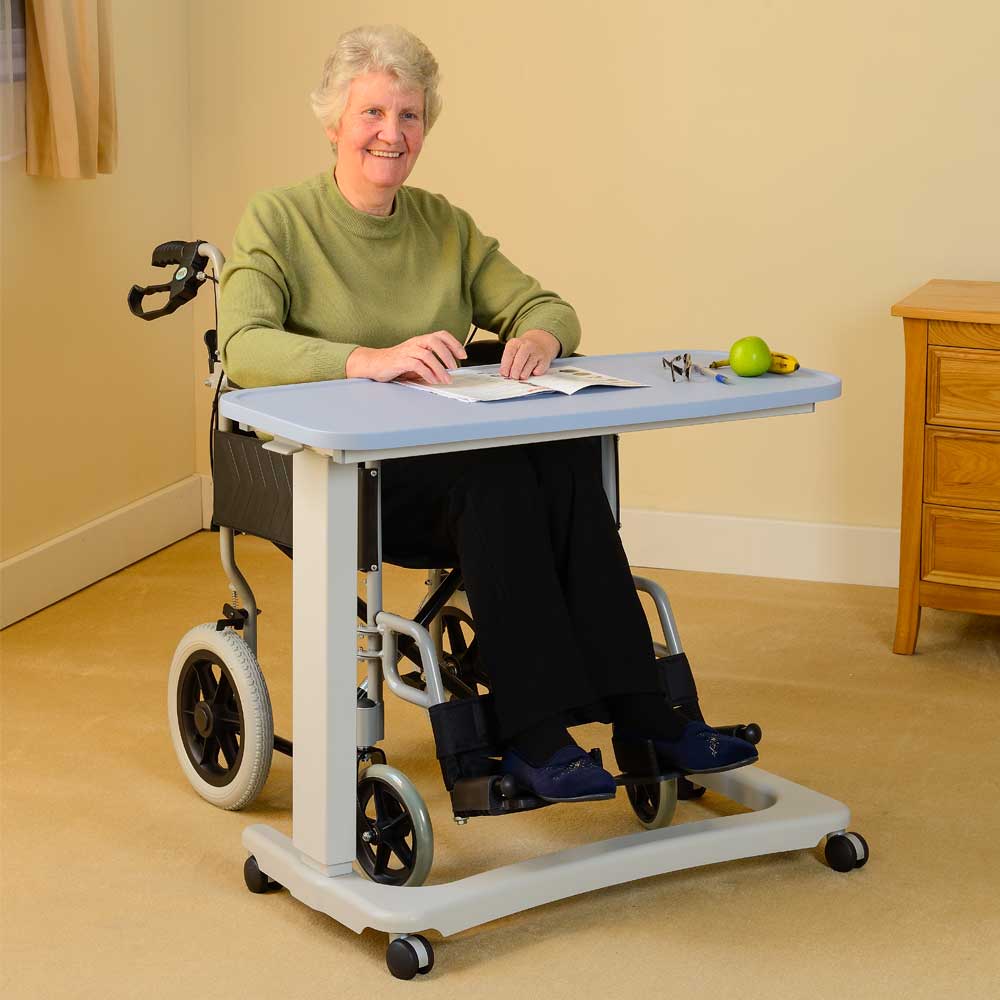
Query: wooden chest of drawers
{"points": [[950, 529]]}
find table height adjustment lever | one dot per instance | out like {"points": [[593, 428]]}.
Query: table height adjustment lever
{"points": [[282, 446]]}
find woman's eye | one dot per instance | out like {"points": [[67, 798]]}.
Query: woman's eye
{"points": [[372, 111], [412, 115]]}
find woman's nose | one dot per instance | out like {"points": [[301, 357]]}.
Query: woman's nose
{"points": [[390, 132]]}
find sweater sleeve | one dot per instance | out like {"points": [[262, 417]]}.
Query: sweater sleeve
{"points": [[507, 301], [256, 294]]}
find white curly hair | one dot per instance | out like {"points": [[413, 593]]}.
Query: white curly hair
{"points": [[386, 48]]}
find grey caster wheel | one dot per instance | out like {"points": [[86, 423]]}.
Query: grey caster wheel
{"points": [[395, 844], [409, 955], [653, 804], [846, 851]]}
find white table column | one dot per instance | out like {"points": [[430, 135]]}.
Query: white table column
{"points": [[324, 661]]}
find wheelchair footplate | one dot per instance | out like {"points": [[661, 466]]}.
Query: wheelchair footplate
{"points": [[498, 794], [492, 795]]}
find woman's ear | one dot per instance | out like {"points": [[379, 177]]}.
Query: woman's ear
{"points": [[332, 133]]}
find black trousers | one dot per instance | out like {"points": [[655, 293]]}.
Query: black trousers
{"points": [[556, 612]]}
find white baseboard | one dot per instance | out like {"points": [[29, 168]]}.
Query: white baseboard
{"points": [[706, 543], [57, 568], [750, 546]]}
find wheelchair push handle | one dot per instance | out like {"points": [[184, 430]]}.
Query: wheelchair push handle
{"points": [[169, 253], [187, 280]]}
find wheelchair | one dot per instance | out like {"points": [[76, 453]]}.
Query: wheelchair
{"points": [[219, 710]]}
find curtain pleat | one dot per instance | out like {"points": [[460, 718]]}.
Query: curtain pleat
{"points": [[72, 119]]}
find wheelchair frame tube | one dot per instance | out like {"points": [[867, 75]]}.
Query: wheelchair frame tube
{"points": [[609, 474], [239, 585], [435, 626], [389, 624], [663, 610], [227, 537], [214, 254]]}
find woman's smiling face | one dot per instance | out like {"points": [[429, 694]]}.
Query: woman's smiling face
{"points": [[379, 138]]}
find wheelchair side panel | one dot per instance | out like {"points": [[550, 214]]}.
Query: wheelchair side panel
{"points": [[253, 487]]}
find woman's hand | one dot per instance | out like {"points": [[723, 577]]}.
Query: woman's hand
{"points": [[529, 353], [426, 357]]}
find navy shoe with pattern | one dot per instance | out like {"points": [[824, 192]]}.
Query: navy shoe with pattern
{"points": [[700, 749], [569, 775]]}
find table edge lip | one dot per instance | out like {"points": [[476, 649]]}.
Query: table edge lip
{"points": [[831, 387]]}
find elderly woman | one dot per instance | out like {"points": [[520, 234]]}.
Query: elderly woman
{"points": [[353, 274]]}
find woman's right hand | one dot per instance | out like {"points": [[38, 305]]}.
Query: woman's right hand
{"points": [[426, 356]]}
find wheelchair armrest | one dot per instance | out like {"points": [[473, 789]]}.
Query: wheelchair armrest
{"points": [[489, 352], [483, 352]]}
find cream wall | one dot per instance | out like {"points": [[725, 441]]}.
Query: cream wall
{"points": [[684, 174], [97, 406]]}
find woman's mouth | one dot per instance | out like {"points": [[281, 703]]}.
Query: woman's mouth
{"points": [[384, 154]]}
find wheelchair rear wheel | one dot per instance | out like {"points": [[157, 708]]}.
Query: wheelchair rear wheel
{"points": [[220, 716], [461, 671], [654, 804]]}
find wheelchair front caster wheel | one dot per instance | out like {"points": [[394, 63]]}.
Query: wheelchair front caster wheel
{"points": [[409, 956], [846, 851], [255, 879], [654, 804], [395, 840]]}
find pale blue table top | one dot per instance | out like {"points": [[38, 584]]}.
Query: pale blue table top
{"points": [[360, 415]]}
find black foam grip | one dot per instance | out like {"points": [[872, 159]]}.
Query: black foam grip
{"points": [[168, 253]]}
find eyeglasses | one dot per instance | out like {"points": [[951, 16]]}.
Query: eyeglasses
{"points": [[681, 365]]}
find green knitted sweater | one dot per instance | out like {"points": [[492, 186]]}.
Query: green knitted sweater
{"points": [[311, 278]]}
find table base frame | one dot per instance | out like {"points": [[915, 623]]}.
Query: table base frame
{"points": [[785, 817]]}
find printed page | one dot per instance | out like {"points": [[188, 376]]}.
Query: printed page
{"points": [[475, 387], [570, 379]]}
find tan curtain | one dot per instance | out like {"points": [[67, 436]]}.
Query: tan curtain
{"points": [[72, 119]]}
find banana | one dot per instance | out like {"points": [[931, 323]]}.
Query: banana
{"points": [[781, 364]]}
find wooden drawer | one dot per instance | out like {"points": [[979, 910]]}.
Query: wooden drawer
{"points": [[963, 387], [962, 468], [943, 331], [961, 547]]}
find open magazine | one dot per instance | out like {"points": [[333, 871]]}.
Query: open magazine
{"points": [[482, 387]]}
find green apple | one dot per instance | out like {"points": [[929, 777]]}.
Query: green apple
{"points": [[750, 356]]}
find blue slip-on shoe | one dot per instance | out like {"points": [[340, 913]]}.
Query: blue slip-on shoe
{"points": [[569, 775], [700, 749]]}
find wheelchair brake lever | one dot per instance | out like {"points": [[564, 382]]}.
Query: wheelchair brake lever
{"points": [[137, 293]]}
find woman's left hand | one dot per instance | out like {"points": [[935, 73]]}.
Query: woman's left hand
{"points": [[529, 353]]}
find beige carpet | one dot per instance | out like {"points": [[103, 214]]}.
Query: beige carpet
{"points": [[118, 881]]}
